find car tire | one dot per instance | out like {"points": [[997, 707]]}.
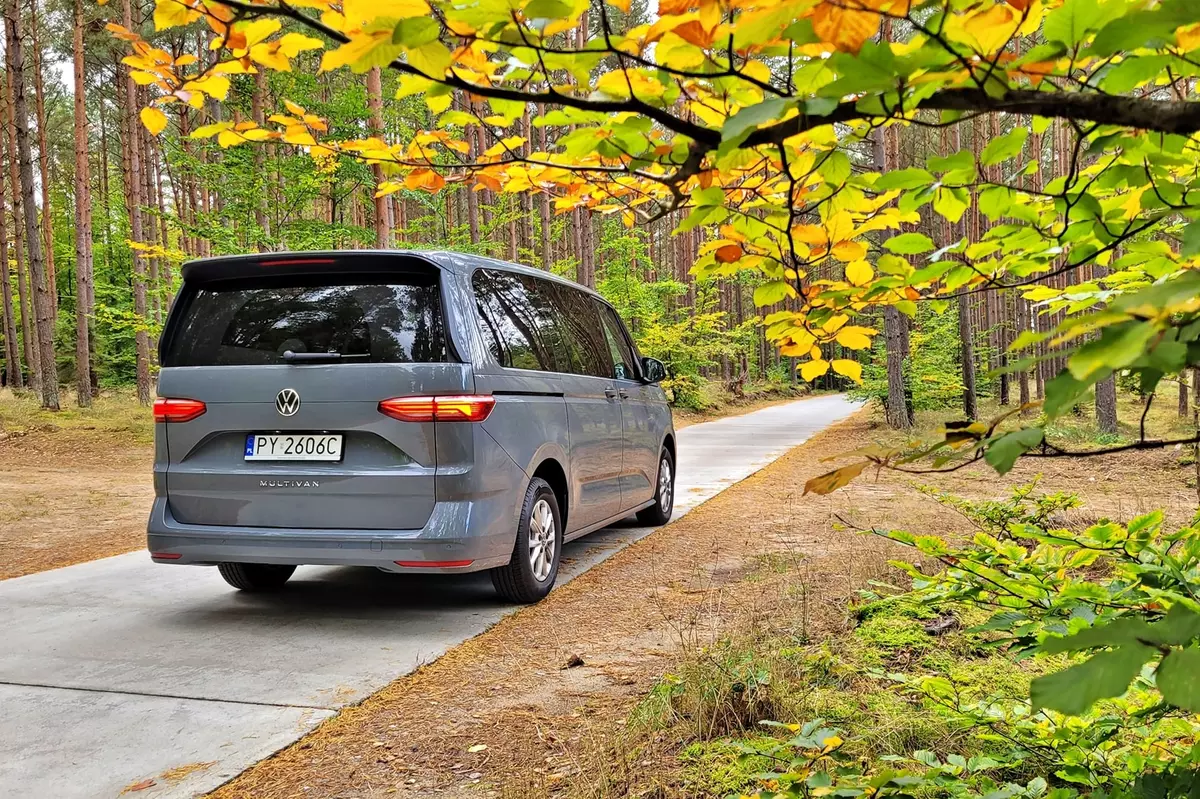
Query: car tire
{"points": [[530, 573], [660, 512], [255, 577]]}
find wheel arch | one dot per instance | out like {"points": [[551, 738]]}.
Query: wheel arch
{"points": [[550, 470]]}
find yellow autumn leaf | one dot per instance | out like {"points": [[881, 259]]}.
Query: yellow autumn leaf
{"points": [[215, 86], [1188, 37], [859, 272], [813, 369], [355, 50], [848, 368], [227, 138], [154, 120], [172, 13], [292, 44], [298, 135], [987, 31], [424, 179], [855, 338], [258, 30], [846, 28], [269, 56], [622, 5], [294, 108], [360, 12]]}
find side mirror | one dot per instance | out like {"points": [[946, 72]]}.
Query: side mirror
{"points": [[653, 370]]}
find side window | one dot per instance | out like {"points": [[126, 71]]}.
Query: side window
{"points": [[624, 361], [580, 319], [518, 321]]}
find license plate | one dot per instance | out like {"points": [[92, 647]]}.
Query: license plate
{"points": [[292, 447]]}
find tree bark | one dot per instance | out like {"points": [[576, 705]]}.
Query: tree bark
{"points": [[257, 102], [894, 336], [24, 294], [43, 158], [383, 205], [43, 304], [1184, 405], [83, 222], [1106, 404], [12, 360], [133, 186], [966, 340]]}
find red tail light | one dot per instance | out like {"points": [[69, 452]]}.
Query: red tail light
{"points": [[167, 409], [466, 408]]}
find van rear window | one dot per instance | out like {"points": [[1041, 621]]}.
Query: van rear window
{"points": [[394, 320]]}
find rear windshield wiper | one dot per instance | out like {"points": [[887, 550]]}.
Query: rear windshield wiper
{"points": [[315, 357]]}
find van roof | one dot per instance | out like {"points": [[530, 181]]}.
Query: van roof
{"points": [[248, 265]]}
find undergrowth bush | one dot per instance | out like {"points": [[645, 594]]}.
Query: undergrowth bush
{"points": [[1032, 660]]}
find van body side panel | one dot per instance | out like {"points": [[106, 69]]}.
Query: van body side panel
{"points": [[594, 426], [645, 419]]}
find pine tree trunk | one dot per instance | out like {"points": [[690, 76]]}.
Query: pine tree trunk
{"points": [[133, 185], [967, 357], [1184, 405], [12, 360], [43, 304], [83, 222], [1106, 404], [383, 205], [24, 294], [544, 204], [895, 338], [43, 159], [257, 102]]}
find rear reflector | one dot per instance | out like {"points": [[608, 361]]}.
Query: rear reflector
{"points": [[168, 409], [165, 555], [434, 564], [466, 408]]}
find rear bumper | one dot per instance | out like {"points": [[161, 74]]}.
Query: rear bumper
{"points": [[449, 537]]}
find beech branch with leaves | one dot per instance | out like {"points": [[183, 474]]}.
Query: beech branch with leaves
{"points": [[752, 116]]}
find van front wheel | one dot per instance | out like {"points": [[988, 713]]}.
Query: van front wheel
{"points": [[255, 576], [533, 568], [659, 513]]}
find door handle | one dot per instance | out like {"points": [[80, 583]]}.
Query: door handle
{"points": [[622, 393], [611, 393]]}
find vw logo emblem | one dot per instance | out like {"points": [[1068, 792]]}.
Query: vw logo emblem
{"points": [[287, 402]]}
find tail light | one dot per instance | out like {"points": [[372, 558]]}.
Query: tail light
{"points": [[466, 408], [167, 409]]}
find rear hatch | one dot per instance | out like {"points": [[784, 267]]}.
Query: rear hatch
{"points": [[282, 347]]}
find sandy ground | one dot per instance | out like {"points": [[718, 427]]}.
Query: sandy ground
{"points": [[534, 706], [71, 496]]}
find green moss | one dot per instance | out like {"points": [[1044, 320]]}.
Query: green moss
{"points": [[719, 768]]}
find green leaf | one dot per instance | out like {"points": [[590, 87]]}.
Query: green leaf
{"points": [[741, 124], [951, 203], [995, 201], [909, 243], [913, 178], [1102, 676], [1004, 147], [415, 31], [1003, 452], [1132, 72], [1178, 678], [1062, 392], [1116, 633], [1071, 22], [951, 163], [1191, 240], [1179, 627], [835, 168], [547, 9], [1117, 347]]}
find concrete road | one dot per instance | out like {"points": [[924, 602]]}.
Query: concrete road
{"points": [[117, 671]]}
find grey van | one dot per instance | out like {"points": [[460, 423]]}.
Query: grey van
{"points": [[425, 412]]}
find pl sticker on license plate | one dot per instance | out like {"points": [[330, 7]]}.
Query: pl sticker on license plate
{"points": [[293, 447]]}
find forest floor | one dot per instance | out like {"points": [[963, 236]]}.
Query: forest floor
{"points": [[75, 485], [639, 694]]}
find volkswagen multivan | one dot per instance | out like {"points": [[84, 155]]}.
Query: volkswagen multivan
{"points": [[417, 412]]}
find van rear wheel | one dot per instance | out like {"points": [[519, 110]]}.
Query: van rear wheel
{"points": [[255, 576], [533, 568]]}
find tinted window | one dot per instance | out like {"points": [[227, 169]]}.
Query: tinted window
{"points": [[624, 361], [519, 321], [396, 320], [585, 337]]}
